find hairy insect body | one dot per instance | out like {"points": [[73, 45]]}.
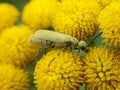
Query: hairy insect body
{"points": [[49, 38]]}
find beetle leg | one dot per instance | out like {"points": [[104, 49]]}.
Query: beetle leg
{"points": [[57, 55]]}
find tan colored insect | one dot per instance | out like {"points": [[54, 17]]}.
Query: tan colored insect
{"points": [[53, 39]]}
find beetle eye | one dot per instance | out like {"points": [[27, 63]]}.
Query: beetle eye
{"points": [[83, 48]]}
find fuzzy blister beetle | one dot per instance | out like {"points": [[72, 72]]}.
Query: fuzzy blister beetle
{"points": [[52, 39]]}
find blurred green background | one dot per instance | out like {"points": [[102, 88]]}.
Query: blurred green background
{"points": [[18, 3]]}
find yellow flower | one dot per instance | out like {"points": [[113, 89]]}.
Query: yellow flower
{"points": [[104, 3], [8, 15], [109, 20], [102, 69], [63, 73], [38, 14], [15, 47], [77, 18], [12, 78]]}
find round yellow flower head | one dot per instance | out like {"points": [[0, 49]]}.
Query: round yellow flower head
{"points": [[8, 15], [76, 18], [12, 78], [15, 47], [38, 14], [59, 70], [109, 20], [102, 69]]}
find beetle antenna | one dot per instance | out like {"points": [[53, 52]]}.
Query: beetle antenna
{"points": [[94, 38]]}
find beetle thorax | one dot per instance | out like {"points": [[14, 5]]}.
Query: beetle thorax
{"points": [[74, 41], [82, 44]]}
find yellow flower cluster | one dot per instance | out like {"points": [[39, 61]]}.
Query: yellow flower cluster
{"points": [[38, 14], [15, 47], [77, 18], [12, 78], [8, 15], [109, 20], [63, 71], [60, 69], [67, 71], [102, 69], [15, 50]]}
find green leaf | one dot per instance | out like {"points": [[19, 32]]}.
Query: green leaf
{"points": [[83, 87]]}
